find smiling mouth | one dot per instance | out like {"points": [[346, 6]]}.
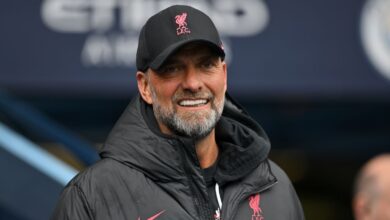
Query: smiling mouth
{"points": [[193, 102]]}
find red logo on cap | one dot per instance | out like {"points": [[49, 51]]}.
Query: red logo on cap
{"points": [[181, 21]]}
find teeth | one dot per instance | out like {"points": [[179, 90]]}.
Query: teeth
{"points": [[193, 102]]}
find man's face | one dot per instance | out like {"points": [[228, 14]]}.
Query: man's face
{"points": [[372, 201], [187, 92], [381, 208]]}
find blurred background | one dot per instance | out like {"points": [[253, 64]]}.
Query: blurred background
{"points": [[315, 74]]}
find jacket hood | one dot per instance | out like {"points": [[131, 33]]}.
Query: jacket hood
{"points": [[137, 142]]}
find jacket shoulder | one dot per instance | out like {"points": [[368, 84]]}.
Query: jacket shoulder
{"points": [[108, 174], [94, 188], [99, 171], [284, 193], [279, 173]]}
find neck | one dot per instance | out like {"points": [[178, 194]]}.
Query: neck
{"points": [[207, 150]]}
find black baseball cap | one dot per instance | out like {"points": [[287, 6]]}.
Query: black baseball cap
{"points": [[165, 32]]}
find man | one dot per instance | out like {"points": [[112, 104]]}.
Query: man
{"points": [[182, 149], [372, 191]]}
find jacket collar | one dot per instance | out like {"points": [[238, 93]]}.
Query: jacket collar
{"points": [[137, 141]]}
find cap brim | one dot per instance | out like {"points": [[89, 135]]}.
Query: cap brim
{"points": [[162, 57]]}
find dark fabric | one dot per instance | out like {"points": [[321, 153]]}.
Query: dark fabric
{"points": [[209, 174], [159, 37], [144, 173]]}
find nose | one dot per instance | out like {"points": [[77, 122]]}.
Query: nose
{"points": [[192, 80]]}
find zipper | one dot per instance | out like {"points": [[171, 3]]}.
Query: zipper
{"points": [[202, 205]]}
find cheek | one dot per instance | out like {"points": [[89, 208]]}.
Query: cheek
{"points": [[164, 91], [386, 210], [382, 211], [217, 85]]}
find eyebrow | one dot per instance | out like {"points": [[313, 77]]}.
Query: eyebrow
{"points": [[171, 61]]}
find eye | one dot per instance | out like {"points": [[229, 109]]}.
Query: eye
{"points": [[169, 69], [209, 63]]}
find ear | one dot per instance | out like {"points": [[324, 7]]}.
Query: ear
{"points": [[144, 87], [361, 209], [224, 67]]}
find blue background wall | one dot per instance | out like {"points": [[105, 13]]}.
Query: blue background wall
{"points": [[276, 48]]}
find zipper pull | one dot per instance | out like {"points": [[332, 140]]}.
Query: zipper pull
{"points": [[217, 215]]}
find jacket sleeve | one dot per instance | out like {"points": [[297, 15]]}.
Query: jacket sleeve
{"points": [[299, 214], [72, 205]]}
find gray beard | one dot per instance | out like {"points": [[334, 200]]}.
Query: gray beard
{"points": [[197, 125]]}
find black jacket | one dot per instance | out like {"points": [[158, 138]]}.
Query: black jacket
{"points": [[144, 174]]}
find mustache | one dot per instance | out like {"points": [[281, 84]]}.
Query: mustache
{"points": [[187, 94]]}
